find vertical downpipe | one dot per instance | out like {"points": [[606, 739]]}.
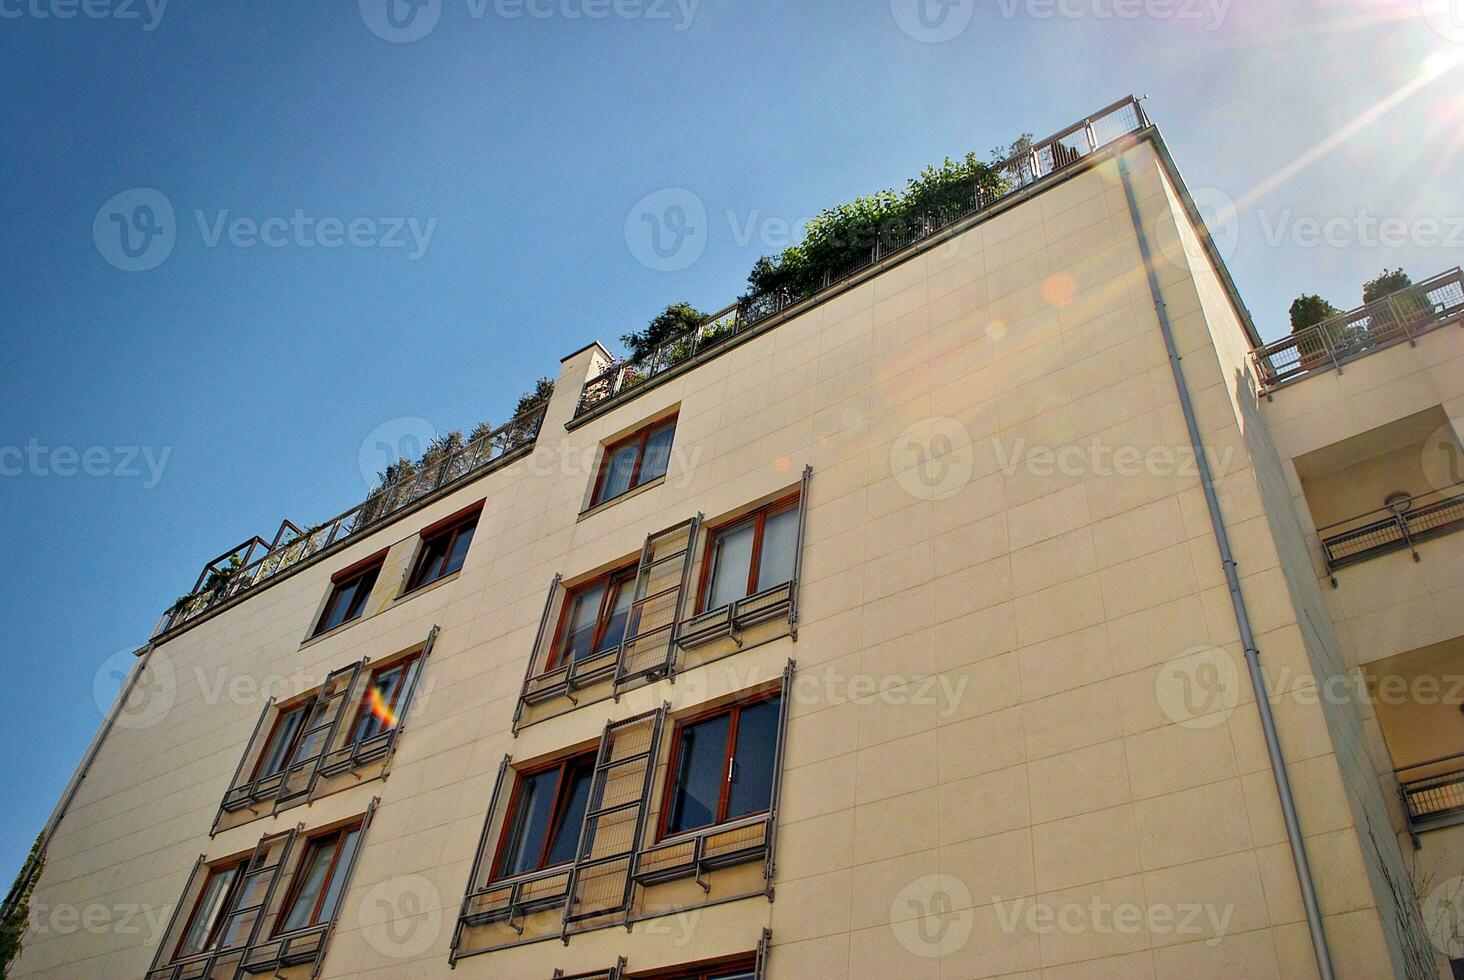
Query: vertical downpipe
{"points": [[1237, 599]]}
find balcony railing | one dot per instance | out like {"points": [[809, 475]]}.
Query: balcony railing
{"points": [[1399, 526], [1328, 345], [304, 545], [1433, 798], [1048, 157]]}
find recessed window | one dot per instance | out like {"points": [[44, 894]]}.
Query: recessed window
{"points": [[754, 553], [348, 595], [284, 740], [595, 617], [725, 968], [545, 817], [443, 551], [722, 766], [634, 461], [385, 698], [209, 924], [320, 879]]}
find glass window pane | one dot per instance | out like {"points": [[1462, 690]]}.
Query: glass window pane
{"points": [[313, 872], [530, 822], [429, 565], [579, 633], [277, 751], [731, 557], [207, 913], [383, 701], [618, 469], [699, 774], [361, 591], [338, 877], [779, 548], [459, 549], [566, 835], [752, 761], [657, 454], [619, 612]]}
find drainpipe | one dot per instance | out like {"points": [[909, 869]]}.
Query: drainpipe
{"points": [[1237, 599], [28, 870]]}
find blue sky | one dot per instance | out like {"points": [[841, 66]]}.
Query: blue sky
{"points": [[236, 382]]}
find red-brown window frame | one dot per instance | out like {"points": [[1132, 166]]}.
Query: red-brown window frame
{"points": [[230, 896], [312, 842], [450, 527], [734, 731], [625, 573], [566, 766], [758, 514], [339, 581], [285, 710], [363, 708], [643, 435], [702, 969]]}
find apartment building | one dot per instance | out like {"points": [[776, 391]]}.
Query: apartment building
{"points": [[1000, 607]]}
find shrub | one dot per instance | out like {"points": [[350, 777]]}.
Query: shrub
{"points": [[676, 319], [1308, 310], [1386, 284]]}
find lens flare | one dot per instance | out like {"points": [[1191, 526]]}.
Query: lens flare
{"points": [[380, 709]]}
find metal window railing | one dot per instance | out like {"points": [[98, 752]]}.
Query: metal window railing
{"points": [[1328, 345], [1054, 154], [1396, 527], [1437, 795], [304, 545]]}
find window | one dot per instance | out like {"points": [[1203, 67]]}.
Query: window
{"points": [[724, 968], [545, 816], [443, 550], [348, 594], [385, 698], [283, 741], [206, 923], [721, 766], [320, 879], [634, 461], [751, 554], [595, 617]]}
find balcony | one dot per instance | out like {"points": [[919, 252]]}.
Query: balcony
{"points": [[255, 562], [1046, 158], [1433, 791], [1394, 319], [1398, 526]]}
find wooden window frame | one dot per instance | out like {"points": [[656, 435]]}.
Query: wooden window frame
{"points": [[449, 527], [641, 435], [231, 895], [625, 574], [729, 752], [758, 514], [304, 705], [702, 969], [566, 766], [338, 583], [363, 709], [301, 873]]}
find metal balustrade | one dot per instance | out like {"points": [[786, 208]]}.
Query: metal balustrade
{"points": [[294, 546], [1396, 527], [1435, 797], [1394, 319], [1048, 157]]}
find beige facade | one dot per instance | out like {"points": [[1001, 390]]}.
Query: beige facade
{"points": [[1017, 738]]}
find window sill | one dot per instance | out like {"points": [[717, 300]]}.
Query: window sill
{"points": [[604, 504], [428, 587], [316, 637]]}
